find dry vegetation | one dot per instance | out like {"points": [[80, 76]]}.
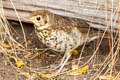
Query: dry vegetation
{"points": [[23, 57]]}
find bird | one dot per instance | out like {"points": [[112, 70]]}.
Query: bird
{"points": [[61, 33]]}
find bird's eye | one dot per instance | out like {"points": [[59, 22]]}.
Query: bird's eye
{"points": [[38, 18]]}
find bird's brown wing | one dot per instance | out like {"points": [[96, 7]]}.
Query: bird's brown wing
{"points": [[67, 23], [82, 25]]}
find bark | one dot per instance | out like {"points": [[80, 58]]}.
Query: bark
{"points": [[93, 11]]}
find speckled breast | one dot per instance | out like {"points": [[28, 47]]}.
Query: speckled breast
{"points": [[60, 40]]}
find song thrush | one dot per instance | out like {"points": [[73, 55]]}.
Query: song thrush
{"points": [[61, 33]]}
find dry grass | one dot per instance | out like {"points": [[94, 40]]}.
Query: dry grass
{"points": [[107, 67]]}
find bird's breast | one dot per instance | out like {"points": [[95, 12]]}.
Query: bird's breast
{"points": [[59, 40]]}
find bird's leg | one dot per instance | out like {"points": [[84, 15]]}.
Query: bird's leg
{"points": [[67, 55], [63, 59]]}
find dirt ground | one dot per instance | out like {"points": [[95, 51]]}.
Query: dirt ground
{"points": [[43, 62]]}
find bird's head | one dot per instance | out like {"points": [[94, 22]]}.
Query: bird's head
{"points": [[40, 17]]}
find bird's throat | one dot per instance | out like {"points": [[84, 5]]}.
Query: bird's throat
{"points": [[42, 27]]}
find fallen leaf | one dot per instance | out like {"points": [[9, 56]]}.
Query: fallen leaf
{"points": [[75, 52], [47, 76], [19, 63], [10, 46], [5, 46], [77, 71], [85, 68]]}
